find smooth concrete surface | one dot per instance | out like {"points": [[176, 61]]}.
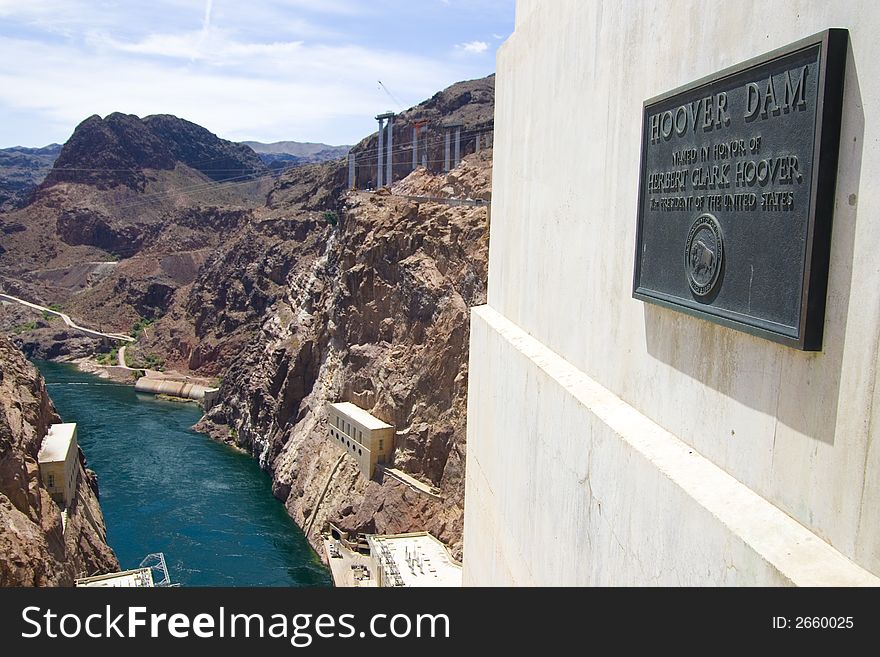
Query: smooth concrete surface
{"points": [[798, 429], [569, 485]]}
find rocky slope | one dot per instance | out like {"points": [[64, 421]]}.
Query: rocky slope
{"points": [[34, 551], [380, 318], [129, 214], [211, 320]]}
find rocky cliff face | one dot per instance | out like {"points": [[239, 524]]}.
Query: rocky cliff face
{"points": [[215, 317], [34, 550], [298, 296], [379, 318]]}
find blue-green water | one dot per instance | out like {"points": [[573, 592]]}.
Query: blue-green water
{"points": [[167, 489]]}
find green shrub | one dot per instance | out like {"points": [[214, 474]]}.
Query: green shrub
{"points": [[23, 328], [108, 358], [138, 327], [147, 362], [331, 218]]}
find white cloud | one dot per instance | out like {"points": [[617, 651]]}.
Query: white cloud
{"points": [[474, 47], [268, 70], [305, 92]]}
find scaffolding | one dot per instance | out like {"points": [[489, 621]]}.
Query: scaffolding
{"points": [[155, 562]]}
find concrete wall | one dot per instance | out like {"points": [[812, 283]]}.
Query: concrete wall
{"points": [[793, 430]]}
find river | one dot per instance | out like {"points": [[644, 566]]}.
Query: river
{"points": [[167, 489]]}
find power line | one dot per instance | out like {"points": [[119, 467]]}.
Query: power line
{"points": [[367, 154]]}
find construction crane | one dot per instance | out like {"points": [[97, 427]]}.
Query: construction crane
{"points": [[391, 96]]}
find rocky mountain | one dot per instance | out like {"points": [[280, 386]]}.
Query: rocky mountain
{"points": [[117, 150], [297, 293], [34, 548], [129, 213], [21, 170]]}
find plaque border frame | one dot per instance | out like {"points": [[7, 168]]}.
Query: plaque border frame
{"points": [[833, 44]]}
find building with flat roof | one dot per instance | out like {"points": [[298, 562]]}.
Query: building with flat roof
{"points": [[412, 560], [59, 463], [367, 438], [137, 578]]}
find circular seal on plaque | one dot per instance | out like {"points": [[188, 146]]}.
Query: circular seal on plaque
{"points": [[703, 254]]}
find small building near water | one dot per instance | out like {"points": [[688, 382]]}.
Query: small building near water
{"points": [[59, 462], [367, 438], [417, 559], [152, 572], [412, 560], [137, 578]]}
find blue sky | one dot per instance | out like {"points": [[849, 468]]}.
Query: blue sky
{"points": [[268, 70]]}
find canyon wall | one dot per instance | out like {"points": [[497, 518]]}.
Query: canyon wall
{"points": [[34, 549]]}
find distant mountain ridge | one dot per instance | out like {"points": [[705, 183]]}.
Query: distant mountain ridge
{"points": [[296, 148], [281, 155], [21, 170]]}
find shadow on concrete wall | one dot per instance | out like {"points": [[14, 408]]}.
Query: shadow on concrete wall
{"points": [[805, 386]]}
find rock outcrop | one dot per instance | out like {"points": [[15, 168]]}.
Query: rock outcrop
{"points": [[34, 549], [118, 149], [379, 318]]}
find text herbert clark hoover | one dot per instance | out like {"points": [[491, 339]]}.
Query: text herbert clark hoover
{"points": [[728, 164]]}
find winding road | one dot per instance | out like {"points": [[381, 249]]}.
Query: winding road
{"points": [[72, 324]]}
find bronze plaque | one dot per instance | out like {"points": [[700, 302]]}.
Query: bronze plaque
{"points": [[736, 194]]}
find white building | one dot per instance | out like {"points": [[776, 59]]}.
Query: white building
{"points": [[59, 462], [412, 560], [137, 578], [367, 438], [615, 442]]}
